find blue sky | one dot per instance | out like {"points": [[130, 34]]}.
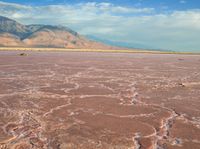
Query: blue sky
{"points": [[159, 4], [155, 24]]}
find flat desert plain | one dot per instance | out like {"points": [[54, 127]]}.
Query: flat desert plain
{"points": [[88, 100]]}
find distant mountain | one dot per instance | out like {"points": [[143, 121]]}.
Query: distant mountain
{"points": [[126, 44], [14, 34], [117, 43]]}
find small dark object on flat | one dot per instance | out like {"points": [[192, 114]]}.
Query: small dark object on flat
{"points": [[181, 84], [23, 54]]}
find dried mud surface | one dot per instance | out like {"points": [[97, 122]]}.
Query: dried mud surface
{"points": [[52, 100]]}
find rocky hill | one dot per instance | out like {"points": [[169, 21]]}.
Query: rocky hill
{"points": [[14, 34]]}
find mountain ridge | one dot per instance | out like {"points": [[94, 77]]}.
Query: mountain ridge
{"points": [[13, 33]]}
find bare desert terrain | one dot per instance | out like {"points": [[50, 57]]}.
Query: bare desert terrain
{"points": [[88, 100]]}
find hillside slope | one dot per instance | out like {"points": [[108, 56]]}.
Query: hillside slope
{"points": [[15, 34]]}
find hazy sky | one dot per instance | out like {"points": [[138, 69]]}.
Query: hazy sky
{"points": [[160, 24]]}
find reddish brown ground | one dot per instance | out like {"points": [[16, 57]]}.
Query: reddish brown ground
{"points": [[52, 100]]}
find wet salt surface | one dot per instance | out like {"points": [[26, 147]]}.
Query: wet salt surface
{"points": [[99, 100]]}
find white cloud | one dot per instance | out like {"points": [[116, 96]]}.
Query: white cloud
{"points": [[177, 30], [13, 5]]}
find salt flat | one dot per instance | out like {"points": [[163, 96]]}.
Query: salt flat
{"points": [[88, 100]]}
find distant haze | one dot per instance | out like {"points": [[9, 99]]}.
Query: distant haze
{"points": [[139, 24]]}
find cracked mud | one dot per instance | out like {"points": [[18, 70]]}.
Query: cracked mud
{"points": [[57, 100]]}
